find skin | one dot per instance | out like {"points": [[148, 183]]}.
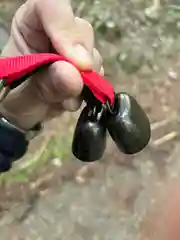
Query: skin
{"points": [[162, 221], [49, 26]]}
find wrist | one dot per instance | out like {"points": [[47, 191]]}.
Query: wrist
{"points": [[29, 134], [14, 142], [23, 107]]}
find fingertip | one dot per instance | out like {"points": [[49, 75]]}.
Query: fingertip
{"points": [[80, 56]]}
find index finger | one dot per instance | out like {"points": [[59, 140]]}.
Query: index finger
{"points": [[56, 19]]}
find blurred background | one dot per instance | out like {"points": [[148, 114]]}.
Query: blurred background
{"points": [[51, 195]]}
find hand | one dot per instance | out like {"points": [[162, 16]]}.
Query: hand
{"points": [[163, 218], [49, 26]]}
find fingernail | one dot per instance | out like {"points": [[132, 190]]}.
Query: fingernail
{"points": [[101, 72], [81, 57]]}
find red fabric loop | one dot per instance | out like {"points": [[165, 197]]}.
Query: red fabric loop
{"points": [[14, 68]]}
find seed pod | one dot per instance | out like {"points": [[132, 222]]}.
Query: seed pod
{"points": [[89, 141], [128, 124]]}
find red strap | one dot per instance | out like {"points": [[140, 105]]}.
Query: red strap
{"points": [[14, 68]]}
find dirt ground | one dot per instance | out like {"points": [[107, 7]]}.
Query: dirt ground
{"points": [[106, 200]]}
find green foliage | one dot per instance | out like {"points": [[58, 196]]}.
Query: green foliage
{"points": [[130, 61], [173, 13]]}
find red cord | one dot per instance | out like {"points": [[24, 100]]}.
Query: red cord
{"points": [[14, 68]]}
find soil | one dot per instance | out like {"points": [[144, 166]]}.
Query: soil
{"points": [[107, 199]]}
